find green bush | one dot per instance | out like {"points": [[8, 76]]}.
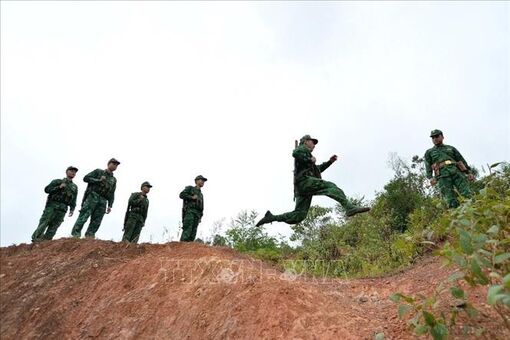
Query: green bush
{"points": [[478, 242]]}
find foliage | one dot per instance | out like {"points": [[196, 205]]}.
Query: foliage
{"points": [[478, 243]]}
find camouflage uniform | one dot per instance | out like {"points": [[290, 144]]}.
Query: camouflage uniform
{"points": [[56, 207], [136, 214], [97, 196], [192, 211], [308, 183], [451, 180]]}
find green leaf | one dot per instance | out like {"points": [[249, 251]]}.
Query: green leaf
{"points": [[475, 268], [493, 294], [506, 300], [455, 276], [471, 311], [493, 230], [457, 292], [501, 258], [495, 165], [465, 242], [464, 222], [479, 331], [429, 319], [422, 329], [439, 332], [396, 297], [506, 280], [403, 310], [379, 336]]}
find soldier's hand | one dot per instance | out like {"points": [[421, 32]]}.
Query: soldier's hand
{"points": [[62, 185], [108, 210], [471, 177], [71, 213], [433, 181], [313, 159], [102, 179], [333, 158], [194, 197]]}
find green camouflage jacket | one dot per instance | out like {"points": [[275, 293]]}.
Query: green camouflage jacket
{"points": [[66, 195], [303, 165], [441, 153], [138, 204], [105, 189], [197, 206]]}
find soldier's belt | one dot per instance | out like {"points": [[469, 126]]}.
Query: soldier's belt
{"points": [[445, 163]]}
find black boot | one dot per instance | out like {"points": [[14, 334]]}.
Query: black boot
{"points": [[356, 210], [268, 218]]}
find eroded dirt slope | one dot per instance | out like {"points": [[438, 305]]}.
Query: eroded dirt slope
{"points": [[98, 289]]}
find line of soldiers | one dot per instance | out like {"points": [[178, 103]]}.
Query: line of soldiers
{"points": [[98, 201], [444, 166]]}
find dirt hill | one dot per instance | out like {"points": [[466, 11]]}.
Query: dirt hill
{"points": [[90, 288]]}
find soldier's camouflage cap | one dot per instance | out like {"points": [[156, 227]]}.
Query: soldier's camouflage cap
{"points": [[307, 137], [146, 184], [436, 132], [113, 160], [200, 177], [72, 168]]}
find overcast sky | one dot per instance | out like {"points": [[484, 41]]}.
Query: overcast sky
{"points": [[177, 89]]}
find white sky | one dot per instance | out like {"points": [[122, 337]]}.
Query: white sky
{"points": [[174, 90]]}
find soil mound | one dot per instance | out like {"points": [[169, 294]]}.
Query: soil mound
{"points": [[71, 288]]}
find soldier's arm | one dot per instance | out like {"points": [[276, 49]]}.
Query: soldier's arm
{"points": [[458, 157], [93, 177], [111, 196], [428, 164], [53, 187], [325, 165], [145, 211], [186, 194], [73, 201]]}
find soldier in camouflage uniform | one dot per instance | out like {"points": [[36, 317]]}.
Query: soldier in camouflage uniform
{"points": [[136, 214], [61, 194], [308, 183], [100, 193], [445, 165], [192, 209]]}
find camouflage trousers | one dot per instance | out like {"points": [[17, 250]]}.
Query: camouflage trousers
{"points": [[190, 221], [133, 227], [306, 189], [453, 184], [93, 207], [52, 217]]}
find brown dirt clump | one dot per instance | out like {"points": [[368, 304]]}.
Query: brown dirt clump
{"points": [[90, 288]]}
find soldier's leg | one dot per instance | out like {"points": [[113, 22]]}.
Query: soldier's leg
{"points": [[85, 212], [195, 227], [187, 227], [129, 229], [56, 221], [43, 223], [462, 185], [95, 219], [448, 192], [297, 215], [136, 232], [317, 186]]}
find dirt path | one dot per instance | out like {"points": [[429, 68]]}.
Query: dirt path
{"points": [[89, 288]]}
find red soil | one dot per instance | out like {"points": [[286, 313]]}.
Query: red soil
{"points": [[90, 288]]}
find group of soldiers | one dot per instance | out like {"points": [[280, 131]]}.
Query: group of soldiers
{"points": [[443, 163], [98, 201]]}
